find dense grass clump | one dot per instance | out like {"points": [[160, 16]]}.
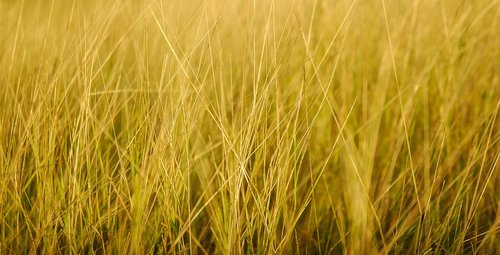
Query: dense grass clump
{"points": [[249, 127]]}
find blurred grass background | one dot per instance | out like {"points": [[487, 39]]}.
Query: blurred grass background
{"points": [[249, 127]]}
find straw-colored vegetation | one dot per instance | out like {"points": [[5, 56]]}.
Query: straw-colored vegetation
{"points": [[249, 127]]}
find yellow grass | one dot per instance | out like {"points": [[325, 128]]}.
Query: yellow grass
{"points": [[249, 127]]}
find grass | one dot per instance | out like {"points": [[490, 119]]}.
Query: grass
{"points": [[249, 127]]}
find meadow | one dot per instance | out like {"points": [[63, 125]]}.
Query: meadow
{"points": [[249, 127]]}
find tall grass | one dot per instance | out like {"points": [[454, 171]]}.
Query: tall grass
{"points": [[249, 127]]}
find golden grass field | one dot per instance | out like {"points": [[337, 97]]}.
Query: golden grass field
{"points": [[249, 127]]}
